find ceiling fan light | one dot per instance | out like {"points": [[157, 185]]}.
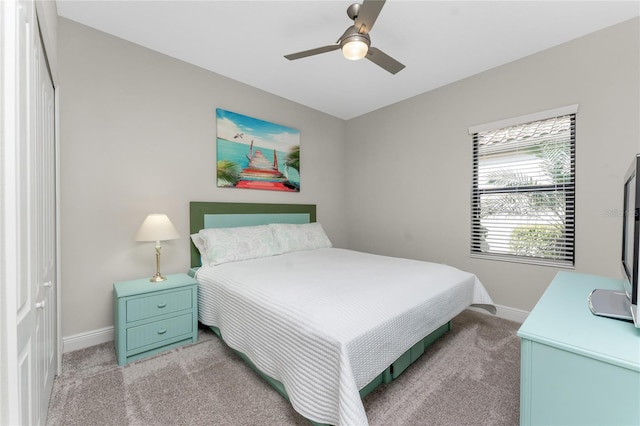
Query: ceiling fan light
{"points": [[355, 49]]}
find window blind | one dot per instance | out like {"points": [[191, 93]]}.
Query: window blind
{"points": [[523, 192]]}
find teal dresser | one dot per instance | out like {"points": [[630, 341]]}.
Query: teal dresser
{"points": [[578, 368], [153, 317]]}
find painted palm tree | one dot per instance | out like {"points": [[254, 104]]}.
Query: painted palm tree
{"points": [[293, 159], [228, 173]]}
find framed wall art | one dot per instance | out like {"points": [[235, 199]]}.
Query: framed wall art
{"points": [[256, 154]]}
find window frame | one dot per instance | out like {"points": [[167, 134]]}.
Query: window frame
{"points": [[566, 188]]}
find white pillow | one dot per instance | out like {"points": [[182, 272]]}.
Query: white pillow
{"points": [[199, 243], [224, 245], [294, 237]]}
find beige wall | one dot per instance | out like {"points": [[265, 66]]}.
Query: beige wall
{"points": [[409, 174], [138, 136], [48, 20]]}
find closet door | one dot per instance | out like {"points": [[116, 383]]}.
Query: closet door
{"points": [[43, 225], [35, 220], [25, 280]]}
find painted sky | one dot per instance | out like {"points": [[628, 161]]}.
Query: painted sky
{"points": [[263, 133]]}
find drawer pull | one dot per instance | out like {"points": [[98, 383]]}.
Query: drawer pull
{"points": [[164, 330], [161, 305]]}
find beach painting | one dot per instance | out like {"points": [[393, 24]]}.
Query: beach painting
{"points": [[256, 154]]}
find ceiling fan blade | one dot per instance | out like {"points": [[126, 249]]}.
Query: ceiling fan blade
{"points": [[383, 60], [368, 14], [312, 52]]}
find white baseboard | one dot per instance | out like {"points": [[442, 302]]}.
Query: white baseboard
{"points": [[103, 335], [511, 314], [84, 340]]}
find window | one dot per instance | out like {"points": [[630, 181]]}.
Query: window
{"points": [[523, 194]]}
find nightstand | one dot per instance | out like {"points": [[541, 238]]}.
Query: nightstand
{"points": [[152, 317]]}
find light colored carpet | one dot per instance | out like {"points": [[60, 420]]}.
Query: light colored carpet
{"points": [[471, 376]]}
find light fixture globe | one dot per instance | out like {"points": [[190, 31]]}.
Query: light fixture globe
{"points": [[355, 46]]}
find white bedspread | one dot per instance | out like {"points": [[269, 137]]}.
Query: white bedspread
{"points": [[326, 322]]}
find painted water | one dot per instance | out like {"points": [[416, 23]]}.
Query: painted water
{"points": [[238, 153]]}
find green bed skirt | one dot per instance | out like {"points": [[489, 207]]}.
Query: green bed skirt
{"points": [[389, 374]]}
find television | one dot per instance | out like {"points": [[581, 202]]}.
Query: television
{"points": [[623, 304]]}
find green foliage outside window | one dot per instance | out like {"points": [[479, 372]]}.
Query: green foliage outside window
{"points": [[536, 240]]}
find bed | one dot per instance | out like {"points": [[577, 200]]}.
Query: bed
{"points": [[323, 325]]}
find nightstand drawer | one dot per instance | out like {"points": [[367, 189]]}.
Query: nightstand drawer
{"points": [[160, 304], [159, 331]]}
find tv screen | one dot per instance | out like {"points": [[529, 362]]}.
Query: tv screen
{"points": [[629, 237], [618, 304]]}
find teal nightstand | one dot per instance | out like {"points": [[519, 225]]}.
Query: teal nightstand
{"points": [[153, 317]]}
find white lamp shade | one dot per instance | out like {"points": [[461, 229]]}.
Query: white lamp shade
{"points": [[157, 227]]}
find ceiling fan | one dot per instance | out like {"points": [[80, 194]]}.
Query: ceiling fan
{"points": [[356, 42]]}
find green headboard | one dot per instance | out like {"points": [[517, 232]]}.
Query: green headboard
{"points": [[225, 215]]}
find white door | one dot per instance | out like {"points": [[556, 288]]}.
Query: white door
{"points": [[35, 222], [25, 281], [44, 227]]}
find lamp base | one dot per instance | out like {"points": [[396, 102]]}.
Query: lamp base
{"points": [[157, 278]]}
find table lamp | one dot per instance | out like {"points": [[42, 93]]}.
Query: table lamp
{"points": [[157, 227]]}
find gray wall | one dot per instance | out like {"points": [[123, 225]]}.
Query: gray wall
{"points": [[138, 136], [409, 174], [137, 132], [48, 20]]}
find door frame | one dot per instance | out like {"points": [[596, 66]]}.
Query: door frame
{"points": [[9, 412]]}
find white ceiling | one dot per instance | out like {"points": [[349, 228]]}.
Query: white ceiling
{"points": [[439, 41]]}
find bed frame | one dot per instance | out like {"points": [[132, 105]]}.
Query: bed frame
{"points": [[223, 215]]}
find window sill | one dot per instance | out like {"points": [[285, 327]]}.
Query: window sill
{"points": [[522, 259]]}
